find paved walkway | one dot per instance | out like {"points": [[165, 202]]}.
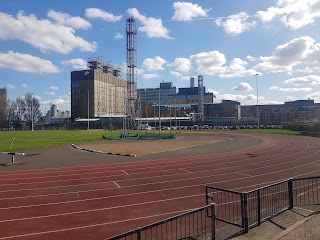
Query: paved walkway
{"points": [[295, 224]]}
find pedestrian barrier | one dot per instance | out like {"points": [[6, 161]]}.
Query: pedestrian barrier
{"points": [[240, 210]]}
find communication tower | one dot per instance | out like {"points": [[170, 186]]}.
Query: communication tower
{"points": [[131, 75]]}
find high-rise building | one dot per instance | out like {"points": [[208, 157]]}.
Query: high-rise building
{"points": [[3, 92], [97, 91], [151, 95]]}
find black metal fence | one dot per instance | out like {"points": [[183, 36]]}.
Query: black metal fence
{"points": [[225, 208], [191, 225], [249, 209]]}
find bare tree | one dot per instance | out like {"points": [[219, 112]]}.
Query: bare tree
{"points": [[3, 112], [32, 108]]}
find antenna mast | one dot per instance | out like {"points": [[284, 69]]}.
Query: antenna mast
{"points": [[131, 72]]}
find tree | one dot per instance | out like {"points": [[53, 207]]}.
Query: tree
{"points": [[32, 108], [3, 112]]}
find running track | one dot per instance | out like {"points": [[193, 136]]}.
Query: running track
{"points": [[96, 202]]}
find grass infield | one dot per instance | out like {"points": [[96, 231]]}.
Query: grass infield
{"points": [[26, 140]]}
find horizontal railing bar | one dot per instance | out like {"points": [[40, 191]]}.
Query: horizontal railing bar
{"points": [[224, 190], [268, 186], [307, 178], [160, 222]]}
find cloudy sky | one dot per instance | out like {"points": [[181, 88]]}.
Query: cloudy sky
{"points": [[228, 42]]}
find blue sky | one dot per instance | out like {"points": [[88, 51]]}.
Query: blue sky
{"points": [[225, 41]]}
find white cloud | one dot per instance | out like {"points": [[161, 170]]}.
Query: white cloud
{"points": [[237, 69], [152, 27], [24, 85], [42, 34], [66, 20], [288, 55], [10, 86], [315, 96], [54, 88], [118, 36], [248, 99], [149, 76], [310, 80], [176, 74], [251, 59], [50, 93], [213, 91], [101, 14], [76, 63], [26, 63], [243, 86], [290, 89], [290, 98], [185, 78], [182, 64], [139, 71], [236, 24], [154, 64], [293, 13], [186, 11], [210, 63]]}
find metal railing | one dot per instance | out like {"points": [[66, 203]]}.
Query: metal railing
{"points": [[240, 210], [194, 224]]}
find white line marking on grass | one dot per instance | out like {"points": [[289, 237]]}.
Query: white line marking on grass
{"points": [[184, 170], [116, 184], [125, 172]]}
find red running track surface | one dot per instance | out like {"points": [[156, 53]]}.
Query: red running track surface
{"points": [[97, 202]]}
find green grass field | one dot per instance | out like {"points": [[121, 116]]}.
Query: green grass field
{"points": [[25, 140]]}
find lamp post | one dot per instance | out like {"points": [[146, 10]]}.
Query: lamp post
{"points": [[88, 127], [154, 118], [31, 111], [159, 113], [256, 75], [170, 112]]}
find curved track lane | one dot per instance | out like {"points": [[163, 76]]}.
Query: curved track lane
{"points": [[95, 202]]}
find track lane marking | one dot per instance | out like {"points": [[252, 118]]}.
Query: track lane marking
{"points": [[116, 184], [85, 184]]}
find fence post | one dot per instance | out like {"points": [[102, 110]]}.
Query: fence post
{"points": [[259, 206], [290, 193], [138, 233], [213, 218], [244, 210]]}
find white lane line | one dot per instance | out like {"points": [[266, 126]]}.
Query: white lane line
{"points": [[248, 164], [122, 175], [184, 170], [248, 175], [107, 166], [95, 225], [116, 184], [172, 165], [103, 209], [125, 172], [178, 180]]}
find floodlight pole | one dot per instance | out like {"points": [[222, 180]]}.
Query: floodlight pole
{"points": [[31, 111], [159, 113], [256, 75], [88, 128]]}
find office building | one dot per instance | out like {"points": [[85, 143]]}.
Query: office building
{"points": [[97, 91]]}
